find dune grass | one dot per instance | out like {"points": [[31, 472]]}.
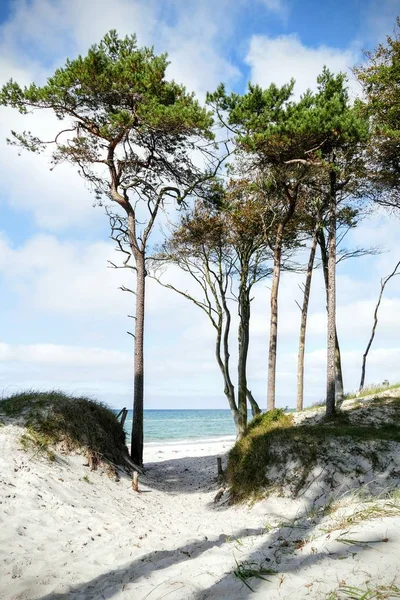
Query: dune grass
{"points": [[80, 423], [368, 390], [366, 592], [367, 509], [272, 444], [251, 570], [371, 389]]}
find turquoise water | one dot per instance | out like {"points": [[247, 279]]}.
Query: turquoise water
{"points": [[183, 425]]}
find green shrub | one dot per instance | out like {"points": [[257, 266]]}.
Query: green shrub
{"points": [[273, 450], [250, 455]]}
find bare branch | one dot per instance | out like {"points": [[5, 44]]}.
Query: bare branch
{"points": [[125, 289], [384, 281]]}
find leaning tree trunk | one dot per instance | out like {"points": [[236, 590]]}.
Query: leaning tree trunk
{"points": [[255, 409], [138, 393], [273, 331], [223, 364], [331, 333], [303, 322], [338, 361]]}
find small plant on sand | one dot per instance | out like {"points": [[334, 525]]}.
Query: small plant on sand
{"points": [[37, 442], [86, 479], [248, 570], [373, 509]]}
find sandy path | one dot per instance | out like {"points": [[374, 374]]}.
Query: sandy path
{"points": [[62, 537]]}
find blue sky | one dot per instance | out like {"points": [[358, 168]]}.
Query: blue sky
{"points": [[62, 318]]}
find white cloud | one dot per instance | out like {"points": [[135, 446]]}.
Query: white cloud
{"points": [[57, 199], [65, 277], [278, 7], [278, 59], [53, 354]]}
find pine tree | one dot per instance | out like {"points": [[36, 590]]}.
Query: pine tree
{"points": [[129, 132]]}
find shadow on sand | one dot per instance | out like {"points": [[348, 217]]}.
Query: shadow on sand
{"points": [[109, 584], [184, 475]]}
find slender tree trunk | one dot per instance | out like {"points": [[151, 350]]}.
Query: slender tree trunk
{"points": [[243, 342], [303, 322], [331, 342], [255, 409], [371, 339], [338, 373], [273, 332], [229, 389], [226, 330], [338, 361], [138, 393], [224, 364]]}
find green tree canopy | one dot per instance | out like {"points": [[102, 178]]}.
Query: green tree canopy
{"points": [[380, 78], [120, 112]]}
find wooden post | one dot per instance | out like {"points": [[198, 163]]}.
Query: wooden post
{"points": [[135, 481], [219, 464]]}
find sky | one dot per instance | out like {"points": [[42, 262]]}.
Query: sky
{"points": [[63, 320]]}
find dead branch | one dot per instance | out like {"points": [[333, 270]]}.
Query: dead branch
{"points": [[125, 289], [384, 281]]}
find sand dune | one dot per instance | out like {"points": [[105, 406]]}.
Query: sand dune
{"points": [[67, 532]]}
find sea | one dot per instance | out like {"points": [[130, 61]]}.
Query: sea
{"points": [[183, 426]]}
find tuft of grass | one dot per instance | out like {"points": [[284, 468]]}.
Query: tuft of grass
{"points": [[86, 479], [315, 405], [380, 592], [38, 442], [272, 447], [270, 420], [248, 570], [80, 423], [372, 509]]}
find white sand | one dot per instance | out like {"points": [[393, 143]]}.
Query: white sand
{"points": [[62, 537]]}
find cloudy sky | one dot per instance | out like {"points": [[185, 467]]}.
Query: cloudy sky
{"points": [[63, 320]]}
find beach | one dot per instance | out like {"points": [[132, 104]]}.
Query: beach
{"points": [[68, 532]]}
